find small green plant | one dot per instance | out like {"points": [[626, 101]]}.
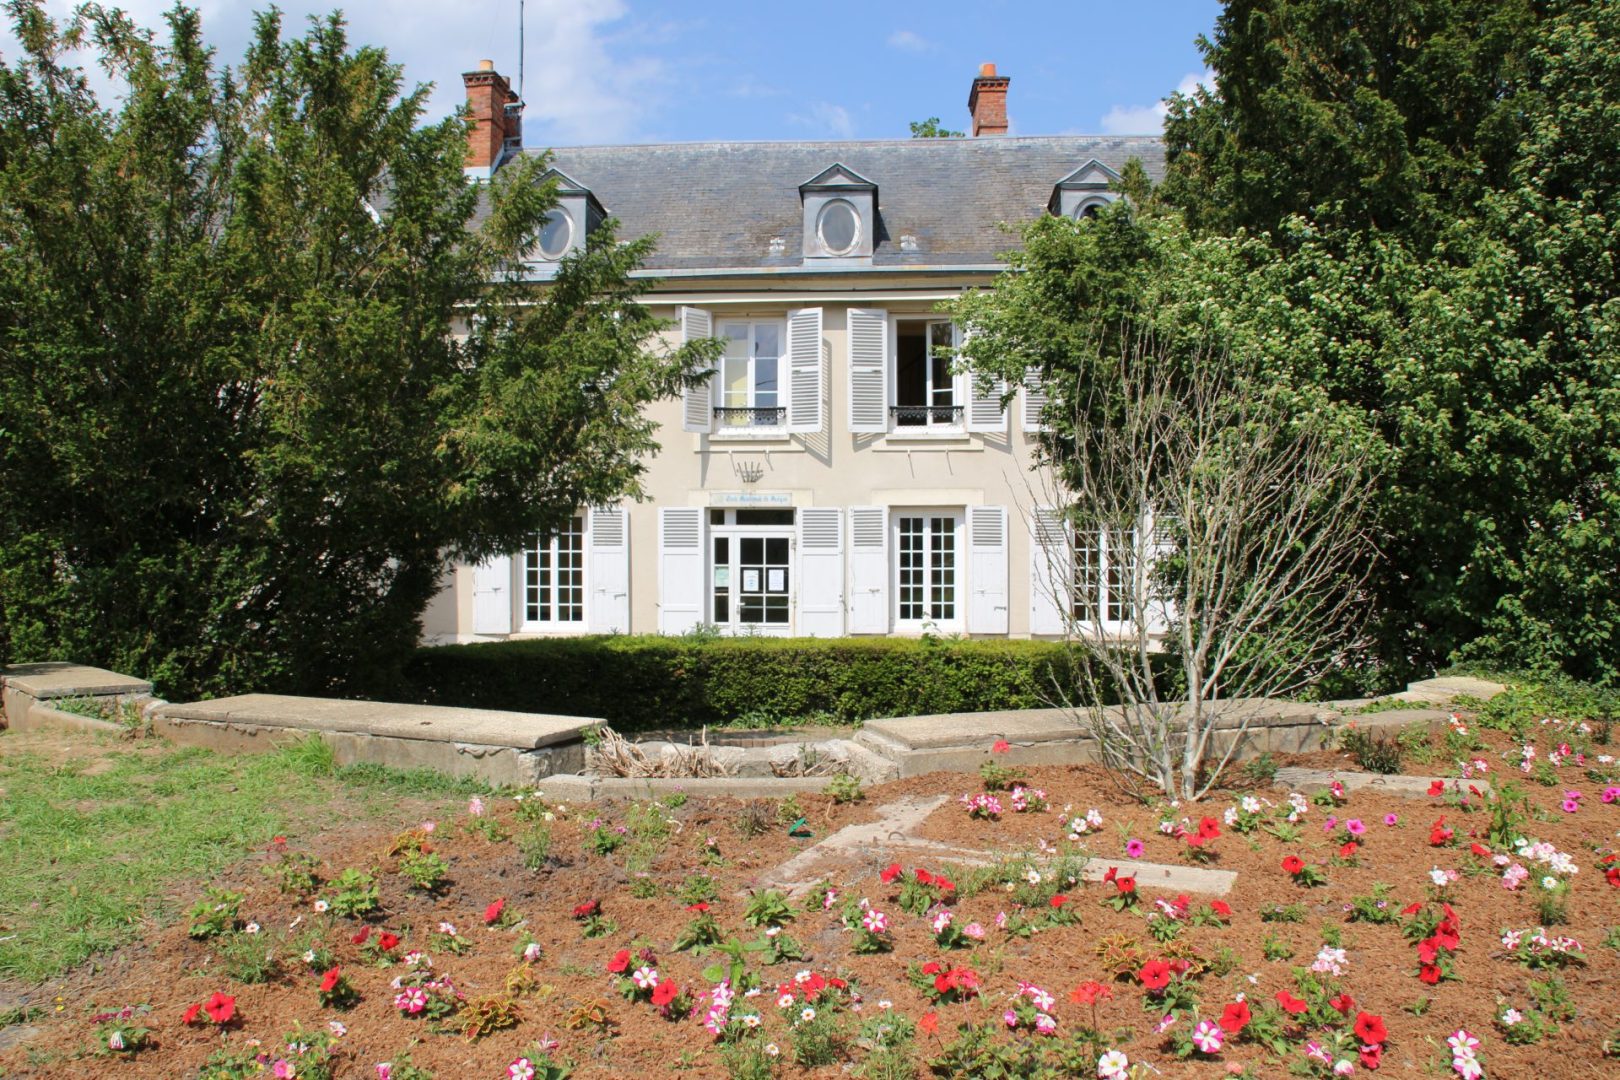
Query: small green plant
{"points": [[535, 847], [754, 818], [425, 871], [789, 810], [700, 932], [1163, 930], [1377, 753], [215, 913], [998, 777], [294, 873], [1224, 962], [1261, 769], [354, 894], [645, 887], [401, 1068], [747, 1060], [845, 788], [1283, 913], [1415, 744], [769, 907], [818, 1041], [1375, 907], [489, 828], [604, 839], [1611, 939], [482, 1015], [697, 889], [250, 957], [1276, 948]]}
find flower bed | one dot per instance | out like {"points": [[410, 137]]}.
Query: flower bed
{"points": [[1458, 934]]}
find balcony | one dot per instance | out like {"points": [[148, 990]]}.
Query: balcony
{"points": [[925, 416], [733, 417]]}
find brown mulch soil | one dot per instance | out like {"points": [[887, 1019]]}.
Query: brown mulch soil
{"points": [[169, 971]]}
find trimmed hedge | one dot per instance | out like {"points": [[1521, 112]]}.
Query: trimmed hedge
{"points": [[642, 682]]}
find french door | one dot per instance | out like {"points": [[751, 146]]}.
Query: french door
{"points": [[751, 580]]}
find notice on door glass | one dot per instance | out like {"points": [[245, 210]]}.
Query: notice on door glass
{"points": [[722, 577], [750, 581], [776, 581]]}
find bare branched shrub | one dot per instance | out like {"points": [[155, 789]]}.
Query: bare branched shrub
{"points": [[1206, 541]]}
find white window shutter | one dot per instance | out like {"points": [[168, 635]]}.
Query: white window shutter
{"points": [[868, 371], [492, 595], [987, 569], [821, 572], [607, 573], [985, 412], [1034, 401], [1050, 576], [868, 570], [680, 568], [1160, 545], [804, 370], [697, 402]]}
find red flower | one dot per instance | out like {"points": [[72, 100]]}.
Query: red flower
{"points": [[1291, 1005], [1480, 849], [700, 906], [664, 993], [1209, 829], [278, 841], [1221, 908], [1112, 873], [814, 985], [1437, 787], [1194, 840], [493, 912], [586, 910], [1438, 833], [1089, 993], [1125, 884], [944, 884], [1000, 746], [1293, 864], [1155, 974], [190, 1015], [891, 872], [1429, 973], [1447, 935], [929, 1023], [1369, 1028], [1370, 1056], [620, 961], [924, 877], [1410, 909], [944, 983], [329, 980], [931, 968], [1344, 1003], [1235, 1017], [220, 1008], [1428, 950], [1059, 900], [1349, 848], [1612, 875], [360, 938], [837, 983], [387, 942]]}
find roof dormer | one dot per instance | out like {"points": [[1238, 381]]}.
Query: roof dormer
{"points": [[568, 223], [840, 215], [1084, 192]]}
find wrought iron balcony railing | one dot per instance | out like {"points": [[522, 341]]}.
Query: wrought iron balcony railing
{"points": [[738, 416], [920, 415]]}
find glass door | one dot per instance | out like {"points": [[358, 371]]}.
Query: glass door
{"points": [[751, 581]]}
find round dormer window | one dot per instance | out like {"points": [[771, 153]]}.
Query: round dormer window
{"points": [[1091, 208], [555, 234], [839, 227]]}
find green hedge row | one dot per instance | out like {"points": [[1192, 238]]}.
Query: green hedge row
{"points": [[642, 682]]}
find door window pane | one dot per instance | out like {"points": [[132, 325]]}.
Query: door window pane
{"points": [[926, 570], [554, 576]]}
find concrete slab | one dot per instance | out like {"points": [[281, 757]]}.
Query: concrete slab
{"points": [[1019, 726], [431, 723], [45, 718], [1452, 686], [58, 680], [1411, 787]]}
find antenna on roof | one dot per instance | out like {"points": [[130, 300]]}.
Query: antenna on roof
{"points": [[520, 50]]}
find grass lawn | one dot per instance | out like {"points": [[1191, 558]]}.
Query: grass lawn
{"points": [[93, 844]]}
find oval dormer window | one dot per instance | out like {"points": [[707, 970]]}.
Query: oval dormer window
{"points": [[839, 227], [555, 234]]}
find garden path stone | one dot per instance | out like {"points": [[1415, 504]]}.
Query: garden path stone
{"points": [[879, 842], [1411, 787], [501, 748]]}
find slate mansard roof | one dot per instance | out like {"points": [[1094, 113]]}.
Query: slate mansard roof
{"points": [[719, 205]]}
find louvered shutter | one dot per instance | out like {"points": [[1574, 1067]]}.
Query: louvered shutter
{"points": [[1159, 547], [1034, 401], [987, 569], [868, 570], [985, 412], [492, 595], [697, 402], [868, 370], [1049, 573], [804, 370], [680, 569], [821, 572], [607, 575]]}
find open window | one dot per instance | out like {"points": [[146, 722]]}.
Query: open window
{"points": [[927, 394], [749, 394]]}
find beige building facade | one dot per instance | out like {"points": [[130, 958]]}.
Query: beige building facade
{"points": [[838, 475]]}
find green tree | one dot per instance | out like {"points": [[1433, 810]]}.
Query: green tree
{"points": [[267, 360], [931, 129]]}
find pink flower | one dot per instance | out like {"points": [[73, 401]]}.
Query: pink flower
{"points": [[1392, 820], [1010, 1018], [1610, 793], [974, 931], [1354, 827], [1208, 1036], [1135, 848]]}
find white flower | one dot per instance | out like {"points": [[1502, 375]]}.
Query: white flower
{"points": [[309, 957], [1112, 1066], [806, 1015], [1549, 882], [1033, 876], [1511, 1016], [646, 977], [115, 1041], [251, 928], [320, 905], [771, 1050], [1344, 1067], [1251, 805], [1438, 876]]}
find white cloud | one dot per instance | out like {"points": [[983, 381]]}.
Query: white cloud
{"points": [[827, 118], [593, 73], [909, 41], [1149, 119]]}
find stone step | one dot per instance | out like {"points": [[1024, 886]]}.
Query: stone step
{"points": [[1410, 787]]}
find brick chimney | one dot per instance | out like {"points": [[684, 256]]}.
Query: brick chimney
{"points": [[987, 101], [497, 119]]}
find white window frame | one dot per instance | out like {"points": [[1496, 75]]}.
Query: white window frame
{"points": [[957, 621], [783, 379], [959, 387], [734, 534], [579, 526], [1094, 578]]}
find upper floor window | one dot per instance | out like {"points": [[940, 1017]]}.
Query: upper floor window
{"points": [[926, 391], [556, 234], [840, 214], [751, 376]]}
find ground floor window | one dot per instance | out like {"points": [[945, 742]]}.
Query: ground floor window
{"points": [[927, 567], [1104, 572], [554, 576], [750, 570]]}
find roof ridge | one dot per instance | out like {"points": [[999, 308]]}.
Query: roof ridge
{"points": [[898, 141]]}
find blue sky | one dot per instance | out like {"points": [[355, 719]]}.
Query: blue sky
{"points": [[603, 71]]}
